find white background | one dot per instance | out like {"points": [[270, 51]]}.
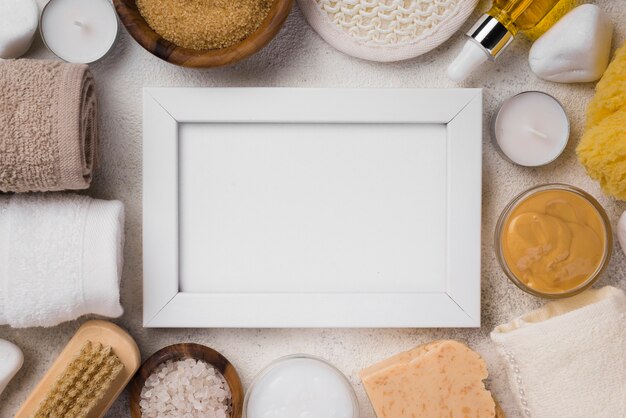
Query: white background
{"points": [[298, 57]]}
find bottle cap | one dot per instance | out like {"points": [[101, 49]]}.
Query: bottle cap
{"points": [[488, 38], [467, 61]]}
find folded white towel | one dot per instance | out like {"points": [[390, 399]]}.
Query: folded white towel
{"points": [[60, 258], [568, 359]]}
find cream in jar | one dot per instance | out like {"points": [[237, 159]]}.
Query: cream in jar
{"points": [[554, 240], [300, 387]]}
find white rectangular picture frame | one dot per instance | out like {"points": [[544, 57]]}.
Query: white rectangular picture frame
{"points": [[453, 297]]}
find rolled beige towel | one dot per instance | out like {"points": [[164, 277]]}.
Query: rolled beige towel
{"points": [[48, 126]]}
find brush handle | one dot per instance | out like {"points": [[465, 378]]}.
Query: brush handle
{"points": [[106, 333]]}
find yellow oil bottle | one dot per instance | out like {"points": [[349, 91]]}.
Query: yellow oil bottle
{"points": [[520, 15], [495, 30]]}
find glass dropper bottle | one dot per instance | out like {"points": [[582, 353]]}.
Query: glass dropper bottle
{"points": [[495, 30]]}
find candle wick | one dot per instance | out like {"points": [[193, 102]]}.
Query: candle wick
{"points": [[536, 132]]}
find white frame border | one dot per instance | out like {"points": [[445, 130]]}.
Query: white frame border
{"points": [[164, 306]]}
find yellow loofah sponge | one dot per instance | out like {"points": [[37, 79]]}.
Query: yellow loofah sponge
{"points": [[602, 149], [603, 152], [610, 94]]}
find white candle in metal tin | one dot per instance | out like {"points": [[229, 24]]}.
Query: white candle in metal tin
{"points": [[79, 31], [531, 129], [301, 387]]}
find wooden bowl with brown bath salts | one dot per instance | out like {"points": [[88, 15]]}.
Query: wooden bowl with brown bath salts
{"points": [[186, 380], [203, 33]]}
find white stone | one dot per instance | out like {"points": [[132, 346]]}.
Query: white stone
{"points": [[11, 360], [576, 49], [18, 24], [621, 231]]}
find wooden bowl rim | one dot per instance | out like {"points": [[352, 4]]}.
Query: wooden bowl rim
{"points": [[181, 351], [154, 43]]}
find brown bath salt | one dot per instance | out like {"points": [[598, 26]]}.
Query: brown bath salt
{"points": [[204, 24]]}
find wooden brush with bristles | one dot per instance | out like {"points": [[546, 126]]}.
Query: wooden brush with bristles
{"points": [[88, 375], [83, 383]]}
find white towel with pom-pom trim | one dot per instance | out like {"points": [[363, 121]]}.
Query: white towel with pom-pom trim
{"points": [[568, 359]]}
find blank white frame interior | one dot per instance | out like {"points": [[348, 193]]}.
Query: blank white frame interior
{"points": [[312, 207]]}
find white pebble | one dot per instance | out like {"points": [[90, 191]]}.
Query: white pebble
{"points": [[11, 360], [18, 24], [185, 388], [576, 49]]}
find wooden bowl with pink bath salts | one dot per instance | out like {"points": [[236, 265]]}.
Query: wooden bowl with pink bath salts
{"points": [[177, 353]]}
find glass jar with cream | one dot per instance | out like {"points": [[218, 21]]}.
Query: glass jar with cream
{"points": [[553, 241], [300, 386]]}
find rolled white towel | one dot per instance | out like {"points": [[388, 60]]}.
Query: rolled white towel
{"points": [[60, 258]]}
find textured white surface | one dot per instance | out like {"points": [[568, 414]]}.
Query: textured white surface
{"points": [[576, 49], [298, 57]]}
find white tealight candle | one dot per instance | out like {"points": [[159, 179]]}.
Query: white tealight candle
{"points": [[81, 31], [18, 24], [531, 129], [300, 386]]}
